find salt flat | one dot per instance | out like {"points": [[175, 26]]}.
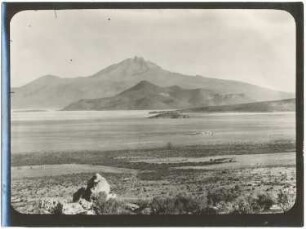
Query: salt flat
{"points": [[61, 131]]}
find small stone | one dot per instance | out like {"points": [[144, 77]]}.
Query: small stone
{"points": [[131, 206], [72, 209], [89, 212], [85, 204], [111, 196]]}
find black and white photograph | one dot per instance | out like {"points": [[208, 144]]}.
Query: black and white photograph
{"points": [[153, 112]]}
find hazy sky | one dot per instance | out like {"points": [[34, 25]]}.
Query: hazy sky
{"points": [[255, 46]]}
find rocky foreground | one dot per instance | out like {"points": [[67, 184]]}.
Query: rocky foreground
{"points": [[84, 200], [96, 198], [174, 181]]}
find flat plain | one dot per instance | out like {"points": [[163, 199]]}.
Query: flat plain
{"points": [[234, 155]]}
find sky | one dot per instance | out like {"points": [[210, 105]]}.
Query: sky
{"points": [[254, 46]]}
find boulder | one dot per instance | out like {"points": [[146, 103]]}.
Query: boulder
{"points": [[82, 199], [96, 185]]}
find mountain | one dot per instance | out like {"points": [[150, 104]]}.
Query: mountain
{"points": [[148, 96], [56, 92], [268, 106]]}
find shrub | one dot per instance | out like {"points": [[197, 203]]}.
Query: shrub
{"points": [[51, 206], [222, 195], [251, 204], [285, 200], [264, 201], [180, 204], [142, 203], [102, 206], [242, 206], [58, 210], [163, 206]]}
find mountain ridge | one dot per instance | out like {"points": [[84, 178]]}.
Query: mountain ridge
{"points": [[148, 96], [58, 92]]}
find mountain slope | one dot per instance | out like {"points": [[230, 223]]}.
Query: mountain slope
{"points": [[146, 95], [56, 92], [268, 106]]}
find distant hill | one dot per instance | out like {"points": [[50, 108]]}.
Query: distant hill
{"points": [[56, 92], [169, 114], [148, 96], [268, 106]]}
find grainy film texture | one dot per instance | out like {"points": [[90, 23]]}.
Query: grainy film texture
{"points": [[181, 111]]}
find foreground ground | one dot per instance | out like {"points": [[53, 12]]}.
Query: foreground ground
{"points": [[224, 175]]}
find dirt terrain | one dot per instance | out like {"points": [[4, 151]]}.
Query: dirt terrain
{"points": [[135, 176]]}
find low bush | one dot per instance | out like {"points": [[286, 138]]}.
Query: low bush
{"points": [[58, 210], [264, 202], [180, 204], [222, 195], [104, 206], [252, 205], [285, 200], [243, 206]]}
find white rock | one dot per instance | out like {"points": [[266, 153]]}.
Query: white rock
{"points": [[85, 204], [98, 184], [72, 209]]}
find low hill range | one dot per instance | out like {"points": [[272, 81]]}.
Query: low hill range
{"points": [[53, 92], [267, 106], [148, 96]]}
